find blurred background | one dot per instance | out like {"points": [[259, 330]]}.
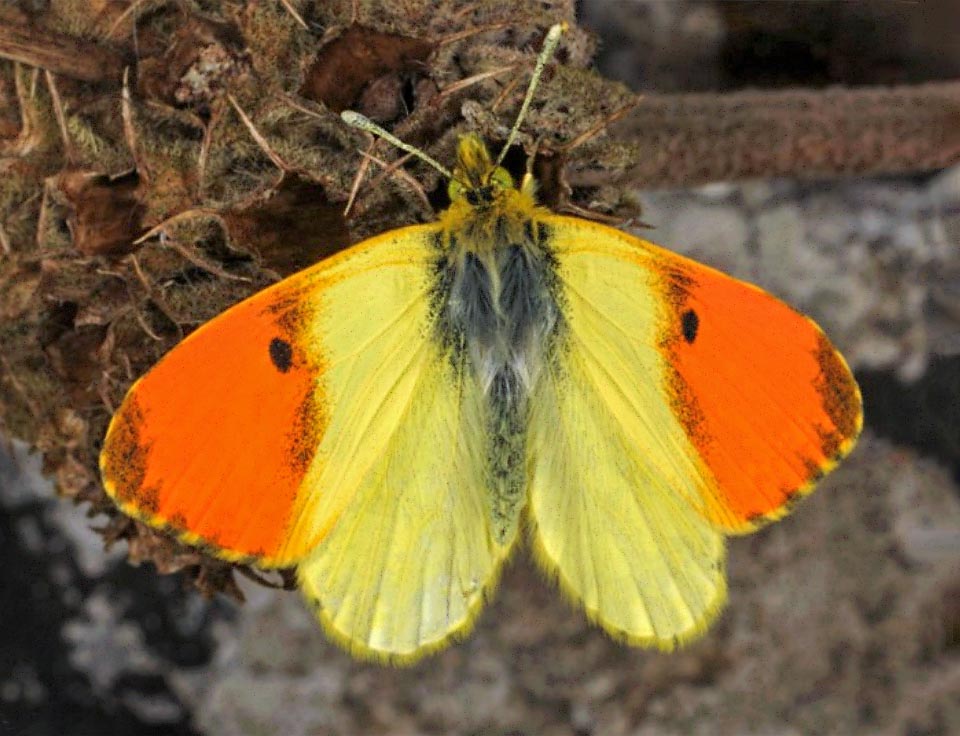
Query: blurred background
{"points": [[844, 618]]}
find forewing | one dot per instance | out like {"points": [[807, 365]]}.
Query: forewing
{"points": [[212, 444], [252, 435]]}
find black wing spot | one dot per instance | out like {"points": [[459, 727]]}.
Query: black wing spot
{"points": [[691, 323], [281, 354]]}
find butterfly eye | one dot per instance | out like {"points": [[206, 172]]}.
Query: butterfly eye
{"points": [[501, 177], [455, 190]]}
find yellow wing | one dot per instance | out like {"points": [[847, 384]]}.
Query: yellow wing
{"points": [[607, 521], [612, 480], [406, 550], [680, 405]]}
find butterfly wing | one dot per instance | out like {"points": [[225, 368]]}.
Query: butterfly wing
{"points": [[213, 443], [319, 422], [408, 561], [411, 554], [681, 405]]}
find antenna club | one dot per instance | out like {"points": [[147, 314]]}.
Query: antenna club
{"points": [[355, 119]]}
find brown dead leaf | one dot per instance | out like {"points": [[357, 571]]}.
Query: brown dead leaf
{"points": [[294, 227], [356, 58], [107, 211]]}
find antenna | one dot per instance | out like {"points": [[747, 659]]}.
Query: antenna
{"points": [[550, 44], [356, 120]]}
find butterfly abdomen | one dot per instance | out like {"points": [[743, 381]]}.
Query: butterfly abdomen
{"points": [[497, 308]]}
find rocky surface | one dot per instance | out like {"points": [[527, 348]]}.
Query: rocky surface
{"points": [[88, 642]]}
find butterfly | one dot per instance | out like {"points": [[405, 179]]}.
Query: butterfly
{"points": [[396, 418]]}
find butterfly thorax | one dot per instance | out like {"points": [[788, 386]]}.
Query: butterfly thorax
{"points": [[497, 312]]}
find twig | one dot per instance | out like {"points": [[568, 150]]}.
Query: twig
{"points": [[197, 260], [686, 140], [464, 83], [293, 11], [595, 130], [102, 392], [258, 136], [504, 93], [187, 252], [128, 14], [129, 130], [60, 54], [43, 214], [461, 35], [157, 300], [361, 172], [389, 170], [68, 150], [216, 114], [184, 215], [400, 174], [5, 241], [465, 11]]}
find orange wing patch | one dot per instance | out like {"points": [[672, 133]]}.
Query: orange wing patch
{"points": [[763, 395], [223, 468]]}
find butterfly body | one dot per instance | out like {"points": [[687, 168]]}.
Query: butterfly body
{"points": [[391, 418], [497, 314]]}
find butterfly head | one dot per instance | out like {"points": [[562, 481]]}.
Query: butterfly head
{"points": [[476, 179]]}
